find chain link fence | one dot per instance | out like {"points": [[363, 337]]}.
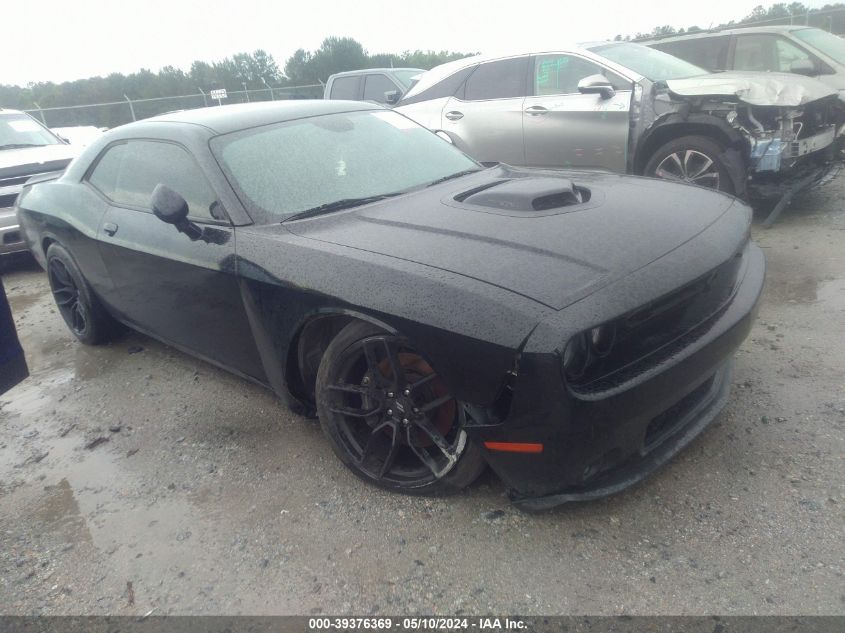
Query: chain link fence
{"points": [[114, 113]]}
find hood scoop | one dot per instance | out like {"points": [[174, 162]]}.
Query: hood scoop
{"points": [[528, 195]]}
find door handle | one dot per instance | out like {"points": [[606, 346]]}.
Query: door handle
{"points": [[536, 110], [109, 228], [454, 115]]}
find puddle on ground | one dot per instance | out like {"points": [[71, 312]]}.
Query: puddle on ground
{"points": [[809, 290], [93, 496], [57, 510]]}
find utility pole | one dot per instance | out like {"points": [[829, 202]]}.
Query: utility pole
{"points": [[246, 92], [131, 107], [41, 112], [270, 88]]}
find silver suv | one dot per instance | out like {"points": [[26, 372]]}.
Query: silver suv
{"points": [[27, 149], [629, 108], [794, 49]]}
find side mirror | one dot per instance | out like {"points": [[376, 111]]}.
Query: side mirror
{"points": [[803, 67], [391, 97], [444, 136], [168, 206], [596, 84]]}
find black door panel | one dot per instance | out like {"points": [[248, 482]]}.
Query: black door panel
{"points": [[191, 299]]}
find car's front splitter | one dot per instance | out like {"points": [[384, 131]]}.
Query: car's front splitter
{"points": [[691, 423]]}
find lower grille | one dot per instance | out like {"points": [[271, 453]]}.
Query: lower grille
{"points": [[667, 423]]}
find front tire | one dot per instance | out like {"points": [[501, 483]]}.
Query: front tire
{"points": [[390, 418], [693, 159], [83, 313]]}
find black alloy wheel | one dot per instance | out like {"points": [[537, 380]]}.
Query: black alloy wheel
{"points": [[66, 294], [87, 319], [390, 417]]}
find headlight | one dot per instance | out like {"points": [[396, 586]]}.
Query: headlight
{"points": [[602, 338], [575, 356]]}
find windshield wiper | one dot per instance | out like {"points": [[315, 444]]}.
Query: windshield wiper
{"points": [[457, 174], [339, 205], [19, 145]]}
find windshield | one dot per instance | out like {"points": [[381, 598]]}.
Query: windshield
{"points": [[284, 169], [21, 130], [831, 45], [650, 63], [406, 77]]}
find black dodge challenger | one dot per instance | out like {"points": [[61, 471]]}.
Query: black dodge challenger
{"points": [[572, 330]]}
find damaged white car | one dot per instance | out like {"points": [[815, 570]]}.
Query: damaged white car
{"points": [[628, 108]]}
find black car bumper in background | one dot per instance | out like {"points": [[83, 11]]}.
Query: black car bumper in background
{"points": [[598, 444]]}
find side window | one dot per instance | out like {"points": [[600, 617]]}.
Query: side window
{"points": [[128, 174], [788, 53], [498, 80], [560, 74], [711, 53], [375, 86], [755, 52], [345, 88]]}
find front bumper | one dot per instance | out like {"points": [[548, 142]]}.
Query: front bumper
{"points": [[599, 445]]}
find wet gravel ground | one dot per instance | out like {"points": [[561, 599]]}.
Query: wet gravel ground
{"points": [[136, 478]]}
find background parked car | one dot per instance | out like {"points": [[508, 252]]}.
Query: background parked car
{"points": [[791, 49], [380, 85], [27, 149], [628, 108]]}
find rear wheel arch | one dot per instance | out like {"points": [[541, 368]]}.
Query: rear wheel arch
{"points": [[46, 242]]}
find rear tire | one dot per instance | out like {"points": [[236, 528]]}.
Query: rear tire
{"points": [[693, 159], [83, 313], [398, 430]]}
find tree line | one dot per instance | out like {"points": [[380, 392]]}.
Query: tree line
{"points": [[830, 17], [255, 71]]}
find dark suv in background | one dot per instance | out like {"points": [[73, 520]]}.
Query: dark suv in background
{"points": [[380, 85]]}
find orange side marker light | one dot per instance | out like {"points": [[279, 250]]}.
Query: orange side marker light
{"points": [[514, 447]]}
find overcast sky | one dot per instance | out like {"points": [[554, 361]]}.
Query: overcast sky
{"points": [[60, 40]]}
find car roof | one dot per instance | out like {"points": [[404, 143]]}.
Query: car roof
{"points": [[438, 73], [10, 111], [229, 118], [780, 28], [363, 71]]}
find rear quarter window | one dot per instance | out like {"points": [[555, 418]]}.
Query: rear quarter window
{"points": [[502, 79], [345, 88]]}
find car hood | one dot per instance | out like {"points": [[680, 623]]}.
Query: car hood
{"points": [[32, 160], [754, 88], [555, 256]]}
